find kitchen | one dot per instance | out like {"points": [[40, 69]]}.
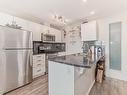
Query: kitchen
{"points": [[52, 50]]}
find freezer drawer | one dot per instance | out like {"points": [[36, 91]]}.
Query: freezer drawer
{"points": [[17, 68]]}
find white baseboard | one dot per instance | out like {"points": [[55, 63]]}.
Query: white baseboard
{"points": [[117, 75]]}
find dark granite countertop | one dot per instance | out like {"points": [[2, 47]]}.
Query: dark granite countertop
{"points": [[77, 60]]}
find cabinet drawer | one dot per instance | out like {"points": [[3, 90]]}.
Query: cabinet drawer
{"points": [[38, 71], [38, 61], [38, 57], [39, 64]]}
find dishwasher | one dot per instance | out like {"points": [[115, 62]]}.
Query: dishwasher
{"points": [[48, 56]]}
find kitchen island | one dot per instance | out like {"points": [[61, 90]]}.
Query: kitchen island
{"points": [[71, 74]]}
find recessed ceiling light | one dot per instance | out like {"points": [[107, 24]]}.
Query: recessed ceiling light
{"points": [[85, 1], [68, 20], [92, 12]]}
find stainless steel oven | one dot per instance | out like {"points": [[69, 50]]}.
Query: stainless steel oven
{"points": [[47, 37]]}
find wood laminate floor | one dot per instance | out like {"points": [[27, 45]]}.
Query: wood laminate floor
{"points": [[40, 87], [110, 87]]}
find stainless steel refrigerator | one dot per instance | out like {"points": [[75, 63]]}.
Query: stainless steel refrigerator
{"points": [[15, 58]]}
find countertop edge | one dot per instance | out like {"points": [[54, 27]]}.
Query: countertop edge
{"points": [[85, 66]]}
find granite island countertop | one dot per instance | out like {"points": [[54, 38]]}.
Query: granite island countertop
{"points": [[77, 60]]}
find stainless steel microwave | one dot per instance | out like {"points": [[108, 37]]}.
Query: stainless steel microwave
{"points": [[47, 37]]}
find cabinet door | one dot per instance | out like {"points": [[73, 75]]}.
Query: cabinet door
{"points": [[45, 30], [5, 19], [35, 28], [89, 31], [21, 22], [93, 68], [61, 79], [38, 65], [58, 36], [83, 32], [83, 83]]}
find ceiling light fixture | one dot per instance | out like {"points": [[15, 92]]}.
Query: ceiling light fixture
{"points": [[85, 1], [59, 18], [92, 12]]}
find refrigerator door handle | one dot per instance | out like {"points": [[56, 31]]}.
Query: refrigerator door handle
{"points": [[17, 48]]}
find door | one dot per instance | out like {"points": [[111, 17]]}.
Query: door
{"points": [[17, 68], [115, 46], [15, 38]]}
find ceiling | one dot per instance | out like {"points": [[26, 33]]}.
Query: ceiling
{"points": [[41, 11]]}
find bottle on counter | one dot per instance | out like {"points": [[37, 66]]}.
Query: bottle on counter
{"points": [[89, 55]]}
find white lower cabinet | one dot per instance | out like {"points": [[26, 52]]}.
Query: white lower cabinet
{"points": [[66, 79], [60, 78], [84, 80], [38, 65]]}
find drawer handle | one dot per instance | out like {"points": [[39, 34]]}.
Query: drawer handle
{"points": [[38, 70], [38, 64], [38, 56], [39, 60]]}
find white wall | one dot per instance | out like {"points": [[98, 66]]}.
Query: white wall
{"points": [[73, 40], [104, 36]]}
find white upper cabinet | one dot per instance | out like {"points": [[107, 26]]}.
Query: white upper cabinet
{"points": [[58, 35], [89, 31], [21, 22], [36, 30], [52, 31], [5, 19], [46, 30], [8, 19]]}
